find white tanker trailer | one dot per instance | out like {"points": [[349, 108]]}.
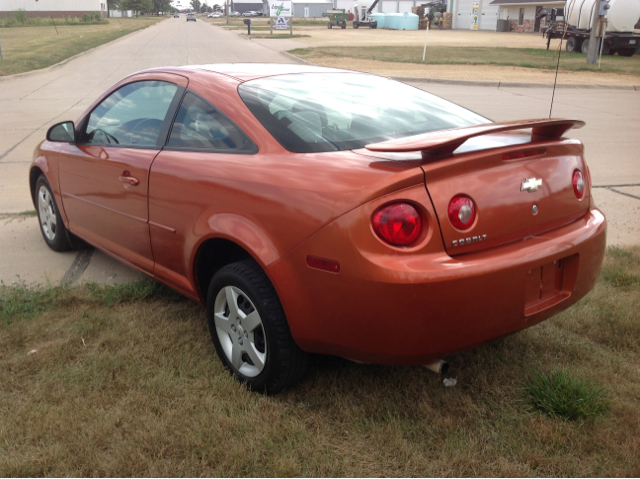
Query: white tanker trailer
{"points": [[619, 37]]}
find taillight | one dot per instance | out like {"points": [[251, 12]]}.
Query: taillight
{"points": [[398, 224], [462, 212], [578, 184]]}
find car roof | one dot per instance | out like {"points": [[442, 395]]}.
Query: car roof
{"points": [[250, 71]]}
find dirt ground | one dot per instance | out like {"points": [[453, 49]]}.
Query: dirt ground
{"points": [[322, 36], [475, 72]]}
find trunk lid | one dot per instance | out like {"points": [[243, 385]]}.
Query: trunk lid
{"points": [[504, 206]]}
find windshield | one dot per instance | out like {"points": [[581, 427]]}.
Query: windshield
{"points": [[314, 112]]}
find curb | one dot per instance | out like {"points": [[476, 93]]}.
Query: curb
{"points": [[16, 76], [494, 84]]}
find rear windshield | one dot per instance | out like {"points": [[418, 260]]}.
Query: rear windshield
{"points": [[314, 112]]}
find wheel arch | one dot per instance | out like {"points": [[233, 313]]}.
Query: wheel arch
{"points": [[213, 254]]}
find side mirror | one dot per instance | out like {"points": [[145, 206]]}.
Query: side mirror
{"points": [[64, 132]]}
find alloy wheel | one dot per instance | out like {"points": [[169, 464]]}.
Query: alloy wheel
{"points": [[47, 213], [240, 331]]}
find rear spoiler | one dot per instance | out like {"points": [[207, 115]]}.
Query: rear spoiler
{"points": [[445, 142]]}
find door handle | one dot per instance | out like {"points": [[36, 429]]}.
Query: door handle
{"points": [[128, 181]]}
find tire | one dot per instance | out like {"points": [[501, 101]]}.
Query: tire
{"points": [[572, 45], [344, 25], [329, 26], [626, 52], [355, 24], [264, 356], [585, 47], [53, 231]]}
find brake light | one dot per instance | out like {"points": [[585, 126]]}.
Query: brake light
{"points": [[522, 154], [578, 184], [398, 224], [462, 212]]}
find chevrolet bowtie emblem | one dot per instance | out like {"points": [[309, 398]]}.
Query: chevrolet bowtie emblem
{"points": [[531, 184]]}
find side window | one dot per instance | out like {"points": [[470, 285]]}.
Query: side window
{"points": [[199, 125], [131, 116]]}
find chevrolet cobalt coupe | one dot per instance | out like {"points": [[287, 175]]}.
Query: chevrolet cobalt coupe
{"points": [[316, 210]]}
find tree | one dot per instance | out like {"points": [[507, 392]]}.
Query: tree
{"points": [[113, 4], [137, 6], [161, 6], [196, 5]]}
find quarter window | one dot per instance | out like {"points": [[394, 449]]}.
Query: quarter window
{"points": [[199, 125], [131, 116]]}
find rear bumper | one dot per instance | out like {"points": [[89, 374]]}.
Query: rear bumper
{"points": [[399, 309]]}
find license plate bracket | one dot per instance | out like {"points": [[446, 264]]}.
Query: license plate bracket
{"points": [[545, 286]]}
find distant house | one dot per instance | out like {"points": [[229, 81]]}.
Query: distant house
{"points": [[521, 14], [53, 8]]}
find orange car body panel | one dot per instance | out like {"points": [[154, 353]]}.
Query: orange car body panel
{"points": [[387, 304]]}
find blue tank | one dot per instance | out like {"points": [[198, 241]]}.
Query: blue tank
{"points": [[408, 21], [392, 20], [379, 18]]}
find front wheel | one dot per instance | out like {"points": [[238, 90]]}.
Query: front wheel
{"points": [[250, 331], [53, 231], [572, 45], [626, 52], [329, 25]]}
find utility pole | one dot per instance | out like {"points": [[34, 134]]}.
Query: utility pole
{"points": [[228, 5], [592, 53]]}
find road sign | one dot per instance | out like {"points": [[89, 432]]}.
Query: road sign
{"points": [[280, 8], [281, 23]]}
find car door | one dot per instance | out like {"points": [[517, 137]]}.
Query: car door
{"points": [[104, 177], [191, 179]]}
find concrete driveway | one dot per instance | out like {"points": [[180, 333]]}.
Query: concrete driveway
{"points": [[30, 104]]}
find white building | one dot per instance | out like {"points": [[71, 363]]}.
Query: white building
{"points": [[520, 15], [53, 8], [312, 8]]}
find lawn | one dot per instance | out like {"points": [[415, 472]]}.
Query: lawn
{"points": [[35, 47], [517, 57], [124, 381]]}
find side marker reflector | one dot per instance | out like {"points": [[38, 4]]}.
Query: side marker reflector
{"points": [[323, 263]]}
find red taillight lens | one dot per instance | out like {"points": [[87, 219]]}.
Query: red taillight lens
{"points": [[398, 224], [578, 184], [462, 212]]}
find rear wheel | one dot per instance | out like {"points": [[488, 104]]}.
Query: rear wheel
{"points": [[355, 24], [626, 52], [572, 45], [344, 25], [329, 25], [585, 46], [250, 331], [51, 226]]}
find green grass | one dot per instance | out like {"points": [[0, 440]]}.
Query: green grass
{"points": [[39, 46], [561, 395], [516, 57], [125, 382]]}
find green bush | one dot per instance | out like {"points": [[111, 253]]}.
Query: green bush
{"points": [[20, 16], [87, 18], [98, 17]]}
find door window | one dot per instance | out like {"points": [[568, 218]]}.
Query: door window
{"points": [[200, 126], [132, 116]]}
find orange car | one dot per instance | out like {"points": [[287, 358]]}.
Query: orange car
{"points": [[316, 210]]}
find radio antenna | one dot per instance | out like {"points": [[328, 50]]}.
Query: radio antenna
{"points": [[566, 27], [556, 80]]}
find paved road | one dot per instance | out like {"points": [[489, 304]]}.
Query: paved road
{"points": [[29, 105]]}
